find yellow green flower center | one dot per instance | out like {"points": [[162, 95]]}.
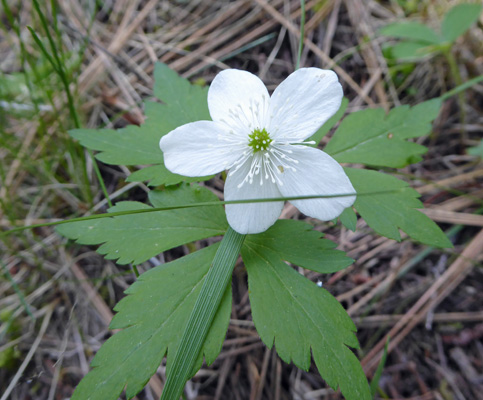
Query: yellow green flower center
{"points": [[259, 140]]}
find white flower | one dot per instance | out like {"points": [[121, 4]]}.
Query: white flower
{"points": [[260, 140]]}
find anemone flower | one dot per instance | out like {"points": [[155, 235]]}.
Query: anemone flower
{"points": [[261, 141]]}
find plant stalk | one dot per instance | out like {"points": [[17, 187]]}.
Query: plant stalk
{"points": [[302, 33], [455, 72]]}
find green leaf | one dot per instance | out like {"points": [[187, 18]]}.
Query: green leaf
{"points": [[160, 175], [151, 317], [371, 137], [410, 51], [139, 145], [297, 242], [477, 150], [387, 213], [184, 102], [324, 129], [349, 219], [411, 30], [138, 237], [459, 19], [132, 145], [299, 317]]}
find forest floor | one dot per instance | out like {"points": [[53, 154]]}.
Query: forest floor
{"points": [[57, 298]]}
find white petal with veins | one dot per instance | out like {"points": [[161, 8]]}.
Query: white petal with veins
{"points": [[200, 148], [239, 99], [317, 174], [303, 102], [251, 217]]}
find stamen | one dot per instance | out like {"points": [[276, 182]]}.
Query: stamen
{"points": [[259, 140], [269, 159]]}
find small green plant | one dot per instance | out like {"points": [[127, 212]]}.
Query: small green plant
{"points": [[418, 41], [290, 312], [39, 91], [10, 356], [181, 309]]}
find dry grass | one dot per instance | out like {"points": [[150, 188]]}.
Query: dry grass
{"points": [[56, 298]]}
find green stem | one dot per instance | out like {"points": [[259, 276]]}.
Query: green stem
{"points": [[462, 87], [99, 177], [453, 65], [302, 33], [205, 308], [455, 72]]}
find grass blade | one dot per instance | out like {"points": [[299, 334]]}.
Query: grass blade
{"points": [[378, 373], [17, 291], [203, 313]]}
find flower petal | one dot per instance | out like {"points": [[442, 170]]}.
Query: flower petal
{"points": [[252, 217], [200, 148], [317, 173], [239, 99], [303, 102]]}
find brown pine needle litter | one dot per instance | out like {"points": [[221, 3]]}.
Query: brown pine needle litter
{"points": [[56, 298]]}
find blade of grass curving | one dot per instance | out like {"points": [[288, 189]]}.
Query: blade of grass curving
{"points": [[208, 203], [201, 317], [191, 205], [59, 68]]}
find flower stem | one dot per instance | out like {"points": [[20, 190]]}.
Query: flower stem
{"points": [[135, 271], [203, 313], [302, 33], [455, 72]]}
